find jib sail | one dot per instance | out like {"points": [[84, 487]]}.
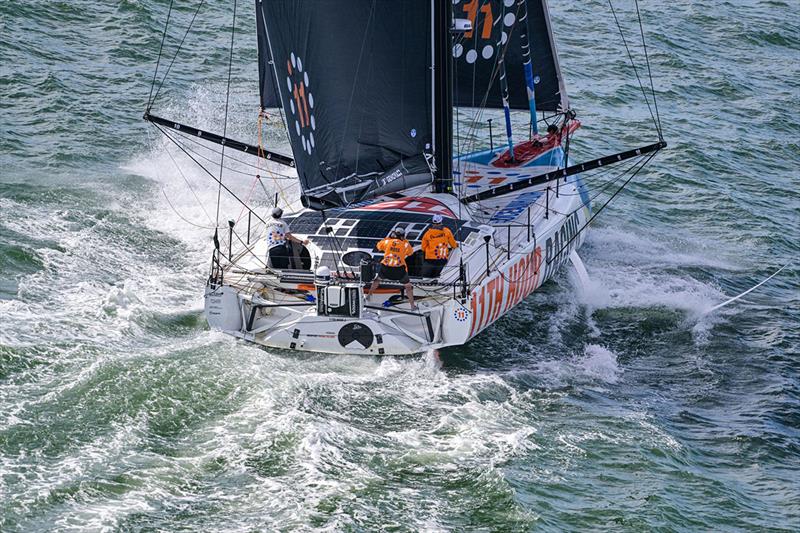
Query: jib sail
{"points": [[497, 27]]}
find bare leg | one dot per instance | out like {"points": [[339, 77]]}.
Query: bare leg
{"points": [[410, 293], [372, 287]]}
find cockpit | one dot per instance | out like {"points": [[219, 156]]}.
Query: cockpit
{"points": [[345, 237]]}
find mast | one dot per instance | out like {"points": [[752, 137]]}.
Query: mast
{"points": [[442, 112]]}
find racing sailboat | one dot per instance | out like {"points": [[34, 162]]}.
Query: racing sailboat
{"points": [[382, 103]]}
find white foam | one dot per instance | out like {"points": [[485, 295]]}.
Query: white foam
{"points": [[627, 269], [596, 365], [600, 363]]}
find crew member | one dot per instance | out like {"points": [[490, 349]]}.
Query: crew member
{"points": [[393, 267], [277, 234], [436, 243], [553, 136]]}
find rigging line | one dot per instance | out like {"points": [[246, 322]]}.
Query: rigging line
{"points": [[478, 9], [649, 72], [187, 184], [602, 207], [592, 181], [473, 127], [245, 163], [633, 64], [158, 61], [583, 204], [247, 249], [164, 192], [340, 247], [471, 139], [631, 168], [460, 189], [260, 123], [496, 61], [285, 125], [227, 101], [600, 188], [748, 291], [188, 29], [264, 187], [334, 241], [567, 215], [631, 164], [177, 166], [229, 168], [213, 177], [247, 199]]}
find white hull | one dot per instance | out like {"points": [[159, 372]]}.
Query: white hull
{"points": [[273, 310]]}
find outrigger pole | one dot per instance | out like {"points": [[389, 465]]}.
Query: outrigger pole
{"points": [[221, 140], [564, 172]]}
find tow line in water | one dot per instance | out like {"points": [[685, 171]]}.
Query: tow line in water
{"points": [[751, 289]]}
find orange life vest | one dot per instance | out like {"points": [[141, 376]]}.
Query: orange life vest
{"points": [[395, 252], [437, 243]]}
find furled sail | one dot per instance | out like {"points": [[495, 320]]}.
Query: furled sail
{"points": [[497, 26], [354, 81]]}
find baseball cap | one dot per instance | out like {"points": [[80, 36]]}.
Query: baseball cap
{"points": [[277, 212], [437, 219]]}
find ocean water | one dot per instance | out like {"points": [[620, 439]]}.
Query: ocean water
{"points": [[614, 407]]}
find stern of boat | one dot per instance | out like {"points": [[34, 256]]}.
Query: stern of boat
{"points": [[334, 319]]}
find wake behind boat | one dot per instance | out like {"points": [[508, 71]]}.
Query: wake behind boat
{"points": [[369, 95]]}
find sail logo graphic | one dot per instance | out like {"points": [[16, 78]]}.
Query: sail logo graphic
{"points": [[482, 17], [301, 102]]}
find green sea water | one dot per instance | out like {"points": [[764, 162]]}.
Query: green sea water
{"points": [[618, 407]]}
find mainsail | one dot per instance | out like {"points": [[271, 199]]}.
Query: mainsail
{"points": [[497, 27], [356, 87]]}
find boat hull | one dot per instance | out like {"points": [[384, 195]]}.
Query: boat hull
{"points": [[395, 330]]}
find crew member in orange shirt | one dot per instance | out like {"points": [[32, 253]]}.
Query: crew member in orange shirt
{"points": [[393, 265], [436, 243]]}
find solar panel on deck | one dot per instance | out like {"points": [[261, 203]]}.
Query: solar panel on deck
{"points": [[306, 223], [369, 226], [373, 229]]}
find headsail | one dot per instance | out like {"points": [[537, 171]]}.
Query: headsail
{"points": [[496, 30], [355, 85]]}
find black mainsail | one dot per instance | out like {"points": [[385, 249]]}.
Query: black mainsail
{"points": [[355, 85]]}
